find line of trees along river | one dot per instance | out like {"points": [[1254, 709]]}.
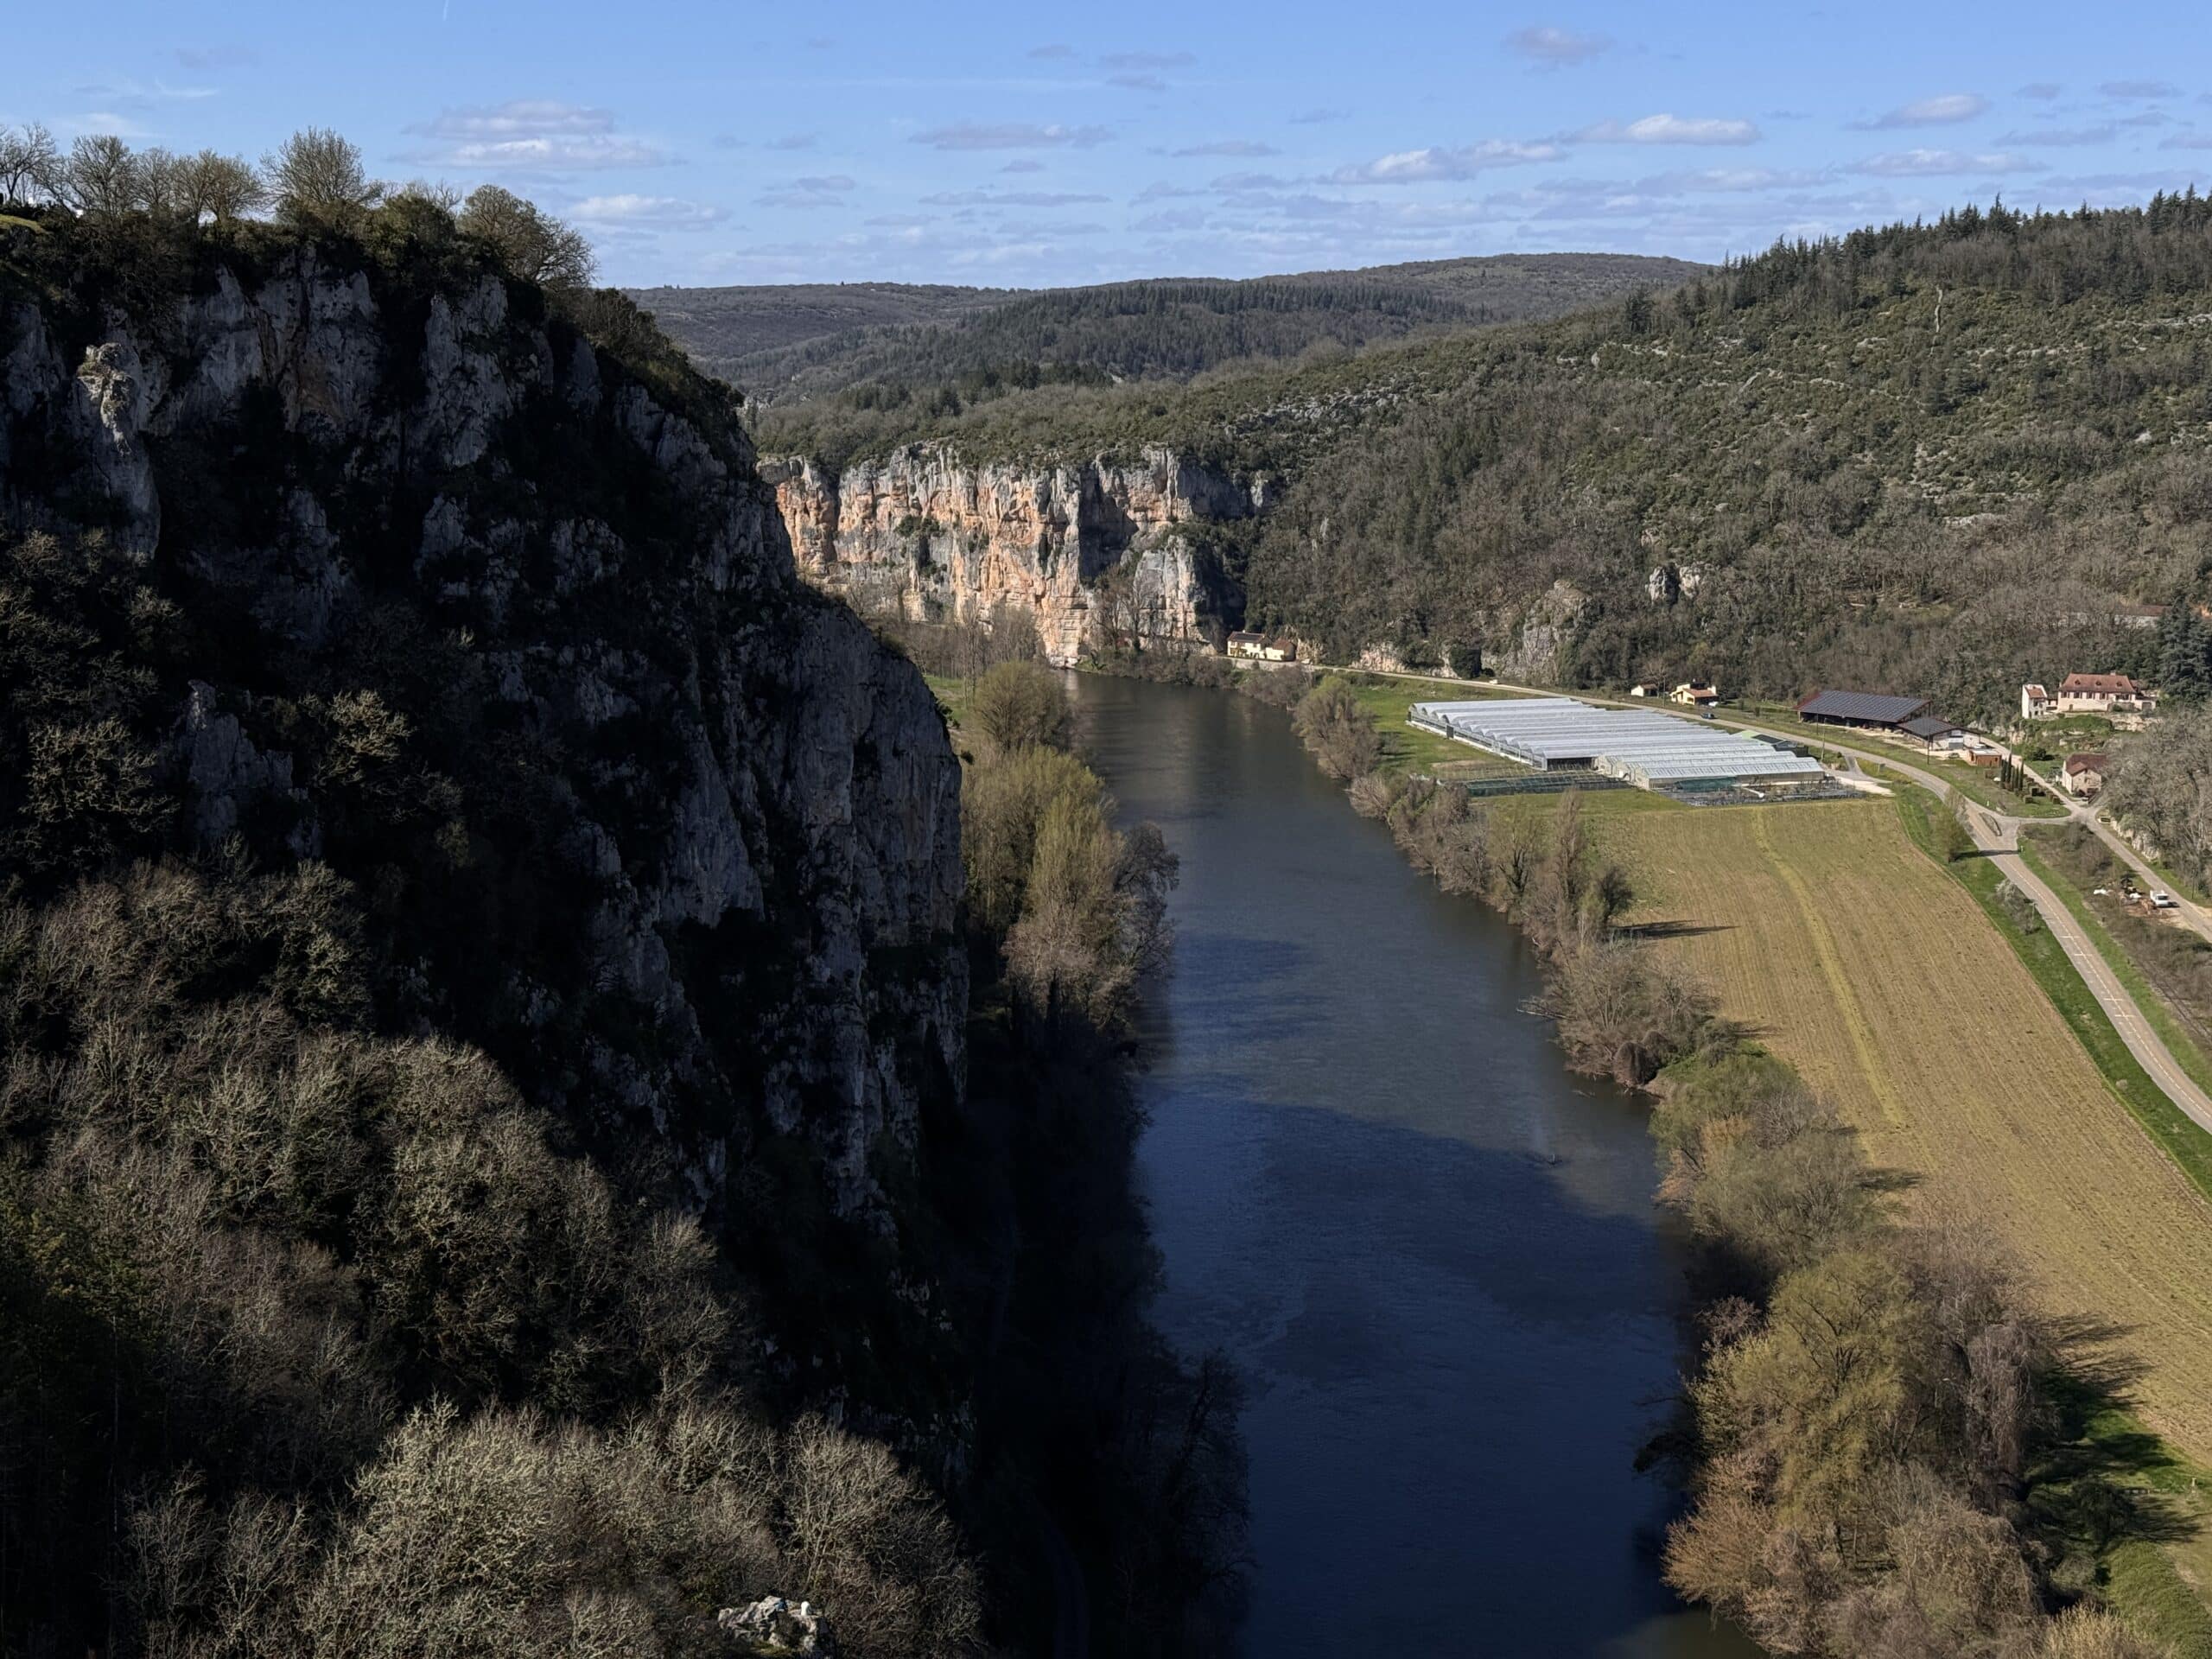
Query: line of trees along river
{"points": [[1431, 1252]]}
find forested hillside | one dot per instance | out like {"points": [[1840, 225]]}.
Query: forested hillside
{"points": [[725, 328], [942, 357], [1934, 458]]}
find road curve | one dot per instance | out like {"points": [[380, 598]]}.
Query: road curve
{"points": [[1997, 837]]}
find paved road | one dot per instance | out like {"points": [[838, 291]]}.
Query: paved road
{"points": [[1998, 837], [2193, 915]]}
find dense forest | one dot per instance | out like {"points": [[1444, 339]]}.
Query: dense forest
{"points": [[518, 1133], [1936, 458], [996, 341]]}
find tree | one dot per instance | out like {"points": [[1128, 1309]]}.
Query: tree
{"points": [[318, 182], [534, 245], [225, 188], [102, 177], [1340, 733], [30, 165], [1953, 839], [1018, 705]]}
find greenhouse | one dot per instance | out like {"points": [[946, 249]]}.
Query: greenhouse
{"points": [[1638, 746]]}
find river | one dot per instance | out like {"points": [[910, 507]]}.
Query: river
{"points": [[1432, 1253]]}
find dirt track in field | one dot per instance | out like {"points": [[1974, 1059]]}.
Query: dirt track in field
{"points": [[1857, 959]]}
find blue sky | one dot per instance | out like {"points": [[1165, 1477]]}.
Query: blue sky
{"points": [[1017, 145]]}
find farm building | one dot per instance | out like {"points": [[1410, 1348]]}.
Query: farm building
{"points": [[1645, 748], [1262, 648], [1865, 708], [1934, 732], [2083, 775], [1696, 693]]}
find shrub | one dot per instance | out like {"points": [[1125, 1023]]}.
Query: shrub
{"points": [[1020, 704]]}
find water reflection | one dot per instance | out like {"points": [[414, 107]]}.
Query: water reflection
{"points": [[1432, 1252]]}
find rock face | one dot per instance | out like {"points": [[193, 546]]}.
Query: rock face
{"points": [[1534, 647], [1089, 549], [773, 1624], [563, 601]]}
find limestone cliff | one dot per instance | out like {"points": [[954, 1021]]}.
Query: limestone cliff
{"points": [[1089, 548], [505, 628]]}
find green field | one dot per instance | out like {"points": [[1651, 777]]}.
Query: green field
{"points": [[1407, 748], [1861, 960]]}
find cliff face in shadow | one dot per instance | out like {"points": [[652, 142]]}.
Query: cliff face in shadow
{"points": [[678, 839]]}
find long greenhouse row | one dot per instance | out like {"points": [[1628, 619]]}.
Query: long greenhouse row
{"points": [[1641, 746]]}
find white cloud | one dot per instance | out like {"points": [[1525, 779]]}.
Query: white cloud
{"points": [[1315, 118], [815, 190], [1142, 60], [1556, 48], [646, 212], [1938, 111], [1731, 181], [2060, 137], [1008, 199], [530, 136], [1055, 49], [1434, 164], [1670, 130], [112, 123], [2188, 140], [1023, 164], [518, 118], [1011, 135], [1228, 147], [2139, 89], [200, 58], [2044, 90], [1937, 163]]}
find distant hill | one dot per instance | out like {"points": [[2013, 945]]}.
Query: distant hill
{"points": [[723, 327], [783, 345], [1938, 458]]}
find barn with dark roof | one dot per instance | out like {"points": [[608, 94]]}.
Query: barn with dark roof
{"points": [[1865, 708]]}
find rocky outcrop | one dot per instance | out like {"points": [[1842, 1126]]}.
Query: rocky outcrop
{"points": [[774, 1624], [440, 537], [1533, 646], [1091, 550]]}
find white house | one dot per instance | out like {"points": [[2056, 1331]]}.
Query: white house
{"points": [[1695, 694], [2035, 702], [1261, 648], [2102, 693]]}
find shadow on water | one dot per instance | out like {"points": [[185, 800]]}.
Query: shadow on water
{"points": [[1432, 1253]]}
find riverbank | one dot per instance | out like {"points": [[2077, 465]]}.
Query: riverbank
{"points": [[1428, 1247], [1806, 918]]}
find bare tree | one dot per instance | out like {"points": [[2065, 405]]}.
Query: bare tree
{"points": [[102, 176], [319, 183], [1019, 704], [225, 188], [30, 165], [534, 245]]}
